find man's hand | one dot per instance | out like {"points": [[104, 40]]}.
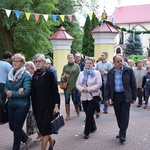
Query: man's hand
{"points": [[107, 102], [133, 101]]}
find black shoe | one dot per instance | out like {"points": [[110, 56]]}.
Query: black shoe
{"points": [[122, 139], [138, 105], [86, 136], [118, 136], [97, 116], [51, 148], [92, 131], [105, 112]]}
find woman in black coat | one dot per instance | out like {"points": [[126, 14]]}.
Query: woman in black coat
{"points": [[45, 99]]}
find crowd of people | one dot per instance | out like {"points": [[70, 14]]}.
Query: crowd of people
{"points": [[32, 91]]}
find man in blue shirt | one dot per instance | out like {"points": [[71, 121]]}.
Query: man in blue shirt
{"points": [[4, 70], [121, 89]]}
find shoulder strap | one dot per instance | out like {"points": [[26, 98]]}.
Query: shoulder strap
{"points": [[70, 73], [89, 92]]}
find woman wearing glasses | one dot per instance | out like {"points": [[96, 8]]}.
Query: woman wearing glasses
{"points": [[45, 99], [18, 89], [88, 83]]}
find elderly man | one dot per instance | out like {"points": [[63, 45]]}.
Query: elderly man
{"points": [[139, 72], [121, 89]]}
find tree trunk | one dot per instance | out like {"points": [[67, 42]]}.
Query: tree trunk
{"points": [[6, 37]]}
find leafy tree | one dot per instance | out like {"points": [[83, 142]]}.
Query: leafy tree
{"points": [[67, 7], [136, 58], [133, 46], [29, 37]]}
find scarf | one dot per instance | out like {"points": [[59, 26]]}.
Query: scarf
{"points": [[39, 72], [87, 72], [15, 75]]}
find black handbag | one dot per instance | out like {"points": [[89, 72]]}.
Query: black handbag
{"points": [[4, 112], [57, 123], [96, 99]]}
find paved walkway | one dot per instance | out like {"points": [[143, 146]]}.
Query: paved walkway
{"points": [[70, 137]]}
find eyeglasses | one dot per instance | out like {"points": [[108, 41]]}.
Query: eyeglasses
{"points": [[15, 61], [37, 61]]}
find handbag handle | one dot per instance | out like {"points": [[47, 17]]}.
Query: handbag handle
{"points": [[89, 92]]}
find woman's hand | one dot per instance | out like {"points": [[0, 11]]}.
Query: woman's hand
{"points": [[85, 90], [9, 93], [66, 75], [56, 109], [21, 91]]}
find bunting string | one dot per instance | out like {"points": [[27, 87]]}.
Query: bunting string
{"points": [[46, 16]]}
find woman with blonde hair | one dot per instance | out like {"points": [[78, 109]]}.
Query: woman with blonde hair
{"points": [[18, 89], [70, 73]]}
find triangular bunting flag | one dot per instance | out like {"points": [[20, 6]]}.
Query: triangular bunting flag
{"points": [[7, 12], [70, 17], [36, 16], [85, 16], [90, 15], [45, 17], [27, 15], [17, 13], [62, 17], [54, 17]]}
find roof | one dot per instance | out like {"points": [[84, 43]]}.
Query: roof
{"points": [[131, 14], [105, 27], [61, 34]]}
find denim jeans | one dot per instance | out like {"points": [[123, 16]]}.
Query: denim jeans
{"points": [[74, 96], [103, 91], [16, 118]]}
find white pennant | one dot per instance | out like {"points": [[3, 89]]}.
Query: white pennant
{"points": [[45, 17], [8, 12]]}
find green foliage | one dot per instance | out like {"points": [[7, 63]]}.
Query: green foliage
{"points": [[29, 37], [73, 28], [136, 57], [88, 41], [133, 46]]}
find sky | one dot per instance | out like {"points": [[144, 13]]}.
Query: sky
{"points": [[110, 5]]}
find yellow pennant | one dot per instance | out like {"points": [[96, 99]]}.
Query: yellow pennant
{"points": [[27, 15], [62, 17], [90, 15]]}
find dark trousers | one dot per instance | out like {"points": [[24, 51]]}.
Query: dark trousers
{"points": [[140, 95], [89, 108], [122, 111], [16, 118], [147, 94]]}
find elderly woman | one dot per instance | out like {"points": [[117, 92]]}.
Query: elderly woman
{"points": [[18, 99], [31, 126], [70, 72], [45, 99], [88, 83]]}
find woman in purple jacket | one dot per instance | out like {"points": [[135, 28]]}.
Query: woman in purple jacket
{"points": [[89, 82]]}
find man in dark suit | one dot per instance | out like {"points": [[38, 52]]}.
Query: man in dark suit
{"points": [[121, 89]]}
